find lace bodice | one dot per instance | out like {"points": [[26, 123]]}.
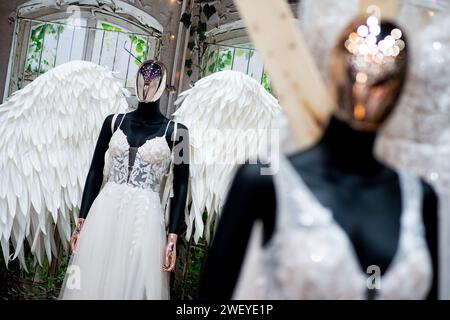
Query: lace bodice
{"points": [[142, 167], [311, 257]]}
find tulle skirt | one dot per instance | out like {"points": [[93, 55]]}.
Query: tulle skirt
{"points": [[120, 251]]}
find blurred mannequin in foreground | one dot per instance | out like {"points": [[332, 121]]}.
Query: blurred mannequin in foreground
{"points": [[333, 222]]}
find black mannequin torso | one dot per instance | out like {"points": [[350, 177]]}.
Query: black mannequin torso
{"points": [[342, 173], [140, 125], [144, 123]]}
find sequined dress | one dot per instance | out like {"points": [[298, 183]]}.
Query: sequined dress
{"points": [[121, 245], [311, 257]]}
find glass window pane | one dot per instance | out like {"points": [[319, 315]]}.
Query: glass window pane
{"points": [[240, 60], [122, 58], [243, 58], [71, 43], [50, 44], [65, 42], [79, 35], [210, 58], [97, 48], [35, 45], [224, 59], [58, 42], [256, 65], [139, 49], [110, 42], [266, 82]]}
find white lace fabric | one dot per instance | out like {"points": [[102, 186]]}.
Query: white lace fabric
{"points": [[121, 247], [147, 170], [310, 256]]}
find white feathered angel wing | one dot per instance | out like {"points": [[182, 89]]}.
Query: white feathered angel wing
{"points": [[228, 115], [48, 132]]}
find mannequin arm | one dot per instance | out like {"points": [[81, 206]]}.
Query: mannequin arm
{"points": [[180, 188], [430, 219], [180, 178], [95, 175], [251, 197]]}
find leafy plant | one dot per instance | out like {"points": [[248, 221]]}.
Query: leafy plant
{"points": [[266, 82], [223, 61], [141, 48], [139, 43], [196, 256], [109, 27], [39, 283], [220, 58], [197, 25], [224, 57], [247, 50], [36, 46], [240, 52]]}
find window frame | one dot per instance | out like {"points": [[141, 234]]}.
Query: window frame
{"points": [[47, 13], [231, 36]]}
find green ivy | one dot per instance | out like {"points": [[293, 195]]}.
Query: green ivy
{"points": [[196, 255], [37, 38], [266, 82], [141, 48], [140, 43], [36, 46], [196, 21], [209, 56], [223, 62], [240, 53], [40, 283], [186, 19], [209, 10], [248, 51], [109, 27]]}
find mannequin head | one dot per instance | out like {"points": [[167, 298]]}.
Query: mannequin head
{"points": [[150, 81], [367, 72]]}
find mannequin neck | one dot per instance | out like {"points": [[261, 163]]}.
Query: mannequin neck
{"points": [[348, 149], [148, 111]]}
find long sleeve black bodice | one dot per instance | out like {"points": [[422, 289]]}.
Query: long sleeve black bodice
{"points": [[139, 126]]}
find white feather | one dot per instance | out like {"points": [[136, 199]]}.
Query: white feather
{"points": [[47, 137], [218, 103]]}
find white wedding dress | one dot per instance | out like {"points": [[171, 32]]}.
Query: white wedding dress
{"points": [[121, 246], [310, 257]]}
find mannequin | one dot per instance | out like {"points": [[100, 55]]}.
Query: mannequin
{"points": [[121, 249], [139, 126], [340, 171]]}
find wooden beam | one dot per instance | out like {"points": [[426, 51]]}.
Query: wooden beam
{"points": [[295, 77]]}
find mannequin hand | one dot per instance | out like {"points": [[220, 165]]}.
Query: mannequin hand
{"points": [[75, 235], [171, 253]]}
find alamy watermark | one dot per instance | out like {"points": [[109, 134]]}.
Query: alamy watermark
{"points": [[374, 279], [73, 280], [229, 147]]}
